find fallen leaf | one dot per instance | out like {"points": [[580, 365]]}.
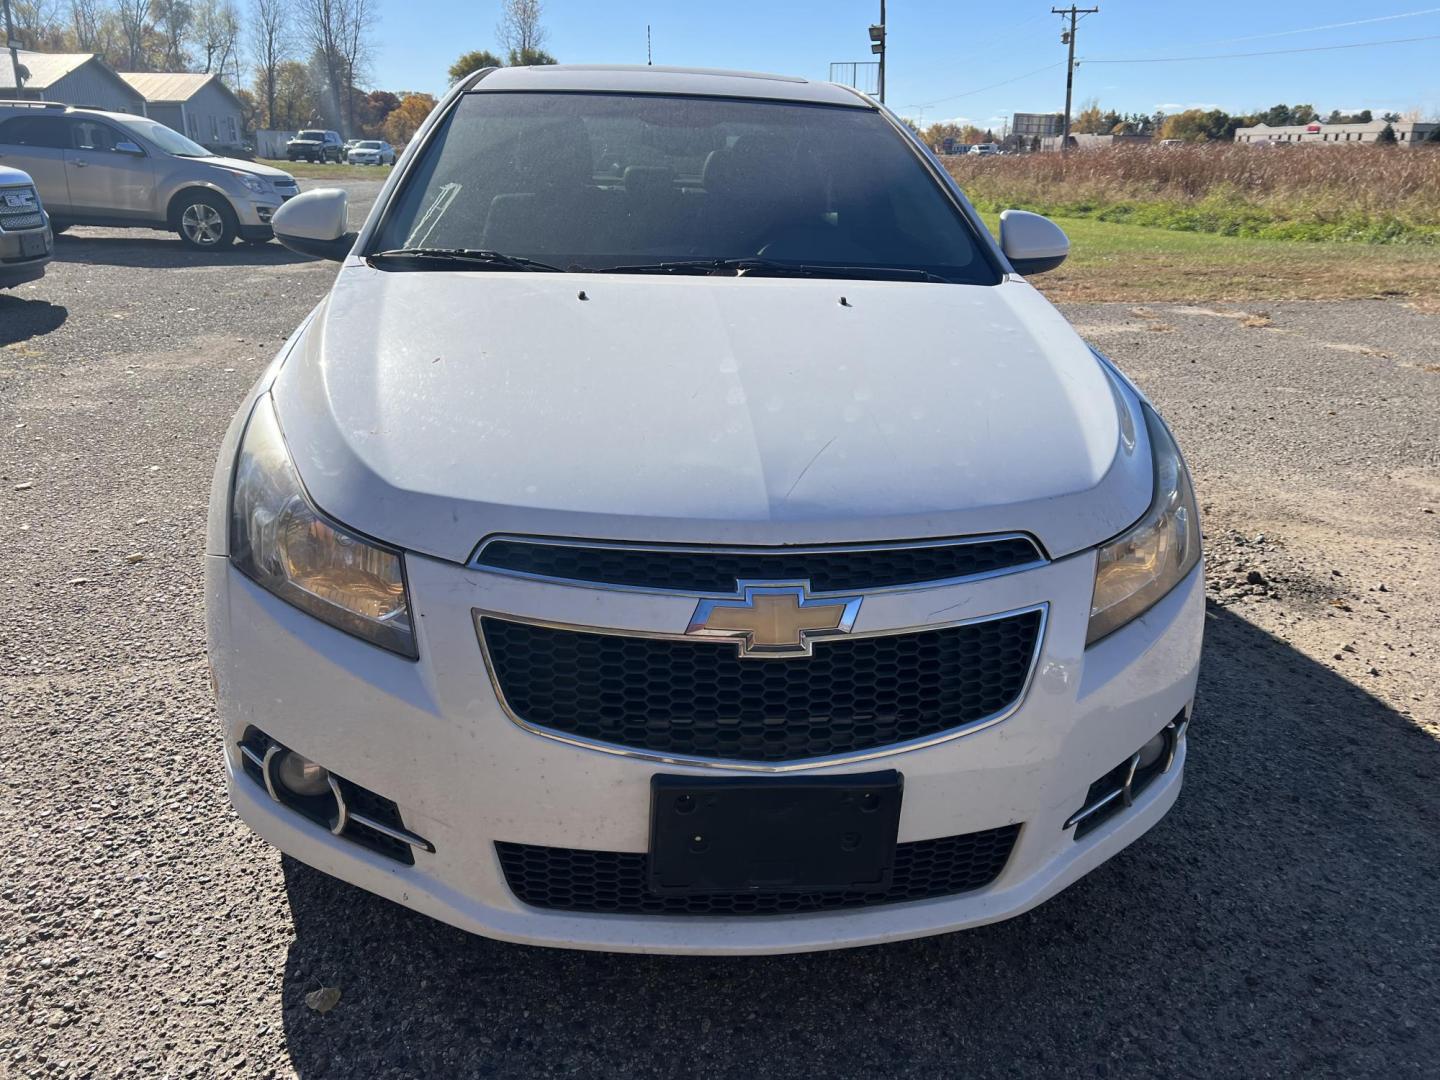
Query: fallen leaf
{"points": [[324, 999]]}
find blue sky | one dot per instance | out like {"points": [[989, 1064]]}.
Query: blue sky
{"points": [[947, 55]]}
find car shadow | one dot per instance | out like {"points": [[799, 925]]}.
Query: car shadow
{"points": [[144, 248], [22, 319], [1282, 920]]}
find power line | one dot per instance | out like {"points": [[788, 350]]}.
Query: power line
{"points": [[1268, 52], [1316, 29], [992, 86]]}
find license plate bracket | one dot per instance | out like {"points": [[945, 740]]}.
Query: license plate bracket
{"points": [[736, 835], [32, 244]]}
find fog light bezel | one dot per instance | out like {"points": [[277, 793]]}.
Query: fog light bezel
{"points": [[1128, 780], [336, 808], [321, 782]]}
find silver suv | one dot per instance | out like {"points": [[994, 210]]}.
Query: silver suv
{"points": [[100, 168], [25, 240]]}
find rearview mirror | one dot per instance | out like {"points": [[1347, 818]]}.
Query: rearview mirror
{"points": [[1032, 243], [315, 224]]}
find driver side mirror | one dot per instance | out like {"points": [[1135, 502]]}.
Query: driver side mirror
{"points": [[128, 147], [1032, 243], [315, 224]]}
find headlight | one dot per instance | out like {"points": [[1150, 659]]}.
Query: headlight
{"points": [[254, 183], [1155, 554], [282, 543]]}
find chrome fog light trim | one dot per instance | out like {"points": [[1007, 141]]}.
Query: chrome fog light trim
{"points": [[1143, 763]]}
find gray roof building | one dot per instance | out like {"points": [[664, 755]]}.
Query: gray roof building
{"points": [[71, 78], [200, 106]]}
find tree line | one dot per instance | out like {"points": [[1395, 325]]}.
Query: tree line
{"points": [[292, 63], [1203, 125]]}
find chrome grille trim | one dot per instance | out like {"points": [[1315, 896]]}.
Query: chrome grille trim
{"points": [[476, 561]]}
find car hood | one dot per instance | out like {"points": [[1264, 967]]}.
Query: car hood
{"points": [[254, 168], [433, 409], [10, 177]]}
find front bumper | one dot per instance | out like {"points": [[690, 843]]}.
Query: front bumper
{"points": [[18, 261], [432, 736]]}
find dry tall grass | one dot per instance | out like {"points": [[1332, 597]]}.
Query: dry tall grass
{"points": [[1376, 194]]}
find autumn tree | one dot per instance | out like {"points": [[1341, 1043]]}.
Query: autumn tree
{"points": [[1090, 120], [295, 104], [401, 124]]}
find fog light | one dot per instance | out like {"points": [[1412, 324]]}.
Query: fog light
{"points": [[301, 776], [1151, 752]]}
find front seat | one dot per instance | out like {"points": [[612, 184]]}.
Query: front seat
{"points": [[555, 207]]}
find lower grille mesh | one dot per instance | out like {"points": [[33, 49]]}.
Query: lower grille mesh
{"points": [[565, 879]]}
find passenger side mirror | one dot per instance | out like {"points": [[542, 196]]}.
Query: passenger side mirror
{"points": [[315, 224], [1032, 243], [128, 147]]}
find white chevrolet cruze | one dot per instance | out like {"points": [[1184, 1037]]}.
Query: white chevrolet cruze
{"points": [[683, 529]]}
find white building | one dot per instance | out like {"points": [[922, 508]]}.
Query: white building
{"points": [[1407, 132]]}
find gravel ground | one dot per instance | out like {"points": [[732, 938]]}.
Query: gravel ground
{"points": [[1283, 920]]}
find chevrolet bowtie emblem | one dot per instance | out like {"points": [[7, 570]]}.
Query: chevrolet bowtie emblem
{"points": [[774, 620]]}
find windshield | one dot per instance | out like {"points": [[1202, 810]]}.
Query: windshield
{"points": [[367, 146], [167, 139], [313, 136], [595, 181]]}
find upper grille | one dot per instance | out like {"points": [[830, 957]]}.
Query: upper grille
{"points": [[15, 218], [566, 879], [701, 699], [718, 570]]}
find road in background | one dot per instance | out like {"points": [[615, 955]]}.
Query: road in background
{"points": [[1282, 920]]}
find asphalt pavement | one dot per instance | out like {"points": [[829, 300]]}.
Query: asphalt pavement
{"points": [[1283, 920]]}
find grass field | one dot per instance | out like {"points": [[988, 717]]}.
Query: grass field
{"points": [[1369, 194], [329, 171], [1132, 262]]}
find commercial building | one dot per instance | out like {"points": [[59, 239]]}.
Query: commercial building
{"points": [[1407, 132]]}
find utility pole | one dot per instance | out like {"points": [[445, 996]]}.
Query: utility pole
{"points": [[12, 45], [1068, 38], [877, 46]]}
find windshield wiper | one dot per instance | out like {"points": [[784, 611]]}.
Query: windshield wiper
{"points": [[465, 258], [774, 268]]}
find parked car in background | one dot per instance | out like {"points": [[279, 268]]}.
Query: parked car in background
{"points": [[116, 169], [25, 237], [986, 149], [372, 152], [316, 146], [638, 558]]}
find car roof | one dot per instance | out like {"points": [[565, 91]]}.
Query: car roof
{"points": [[56, 108], [703, 82]]}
